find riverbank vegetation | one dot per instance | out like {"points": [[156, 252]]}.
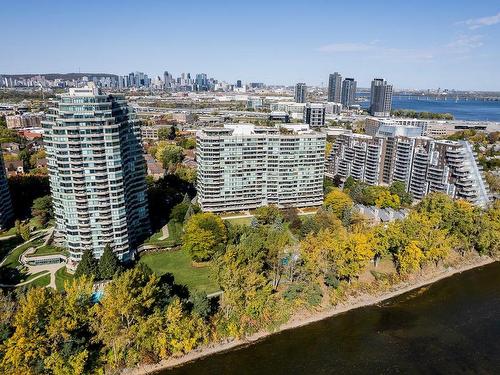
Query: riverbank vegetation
{"points": [[277, 268], [421, 115]]}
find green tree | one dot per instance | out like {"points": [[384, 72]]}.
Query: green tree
{"points": [[108, 264], [190, 212], [42, 209], [178, 213], [399, 188], [87, 265], [201, 304], [204, 235], [165, 134], [172, 133], [169, 154], [187, 143]]}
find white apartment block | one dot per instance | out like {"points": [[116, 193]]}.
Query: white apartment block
{"points": [[424, 164], [429, 128], [243, 166]]}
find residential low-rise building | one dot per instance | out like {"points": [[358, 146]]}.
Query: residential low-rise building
{"points": [[14, 167], [243, 166], [150, 132], [24, 120]]}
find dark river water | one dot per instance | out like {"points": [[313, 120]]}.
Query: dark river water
{"points": [[450, 327]]}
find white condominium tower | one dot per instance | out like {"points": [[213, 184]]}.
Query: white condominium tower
{"points": [[242, 166], [97, 173]]}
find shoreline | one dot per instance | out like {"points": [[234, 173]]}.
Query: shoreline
{"points": [[351, 303]]}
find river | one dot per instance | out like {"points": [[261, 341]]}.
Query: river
{"points": [[470, 110], [450, 327]]}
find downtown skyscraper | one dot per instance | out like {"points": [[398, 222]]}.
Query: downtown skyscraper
{"points": [[348, 96], [96, 172], [300, 93], [380, 98], [334, 87]]}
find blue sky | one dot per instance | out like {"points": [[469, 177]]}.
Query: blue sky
{"points": [[413, 44]]}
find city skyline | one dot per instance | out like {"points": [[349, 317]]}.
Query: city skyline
{"points": [[454, 46]]}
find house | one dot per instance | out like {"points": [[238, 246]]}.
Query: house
{"points": [[41, 163], [14, 167], [380, 215], [154, 168], [10, 148]]}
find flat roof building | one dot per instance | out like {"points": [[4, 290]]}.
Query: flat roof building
{"points": [[334, 87], [314, 114], [300, 93], [243, 166]]}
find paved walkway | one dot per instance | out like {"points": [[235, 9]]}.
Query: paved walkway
{"points": [[51, 268], [247, 214], [164, 232]]}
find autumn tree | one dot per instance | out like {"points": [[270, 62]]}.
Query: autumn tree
{"points": [[338, 202], [187, 174], [125, 303], [268, 214], [409, 259], [204, 235], [26, 350], [386, 199]]}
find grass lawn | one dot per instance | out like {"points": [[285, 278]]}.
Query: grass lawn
{"points": [[31, 276], [178, 263], [174, 236], [240, 220], [9, 232], [61, 277], [42, 281], [47, 250], [8, 244], [12, 260]]}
